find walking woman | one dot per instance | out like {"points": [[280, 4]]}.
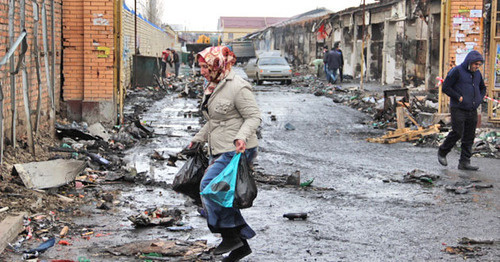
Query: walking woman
{"points": [[232, 119]]}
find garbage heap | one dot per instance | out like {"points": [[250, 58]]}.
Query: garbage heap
{"points": [[381, 106], [84, 158]]}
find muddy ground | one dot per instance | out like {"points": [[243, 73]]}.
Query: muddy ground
{"points": [[360, 206]]}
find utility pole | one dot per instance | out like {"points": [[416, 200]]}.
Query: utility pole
{"points": [[135, 42], [362, 49]]}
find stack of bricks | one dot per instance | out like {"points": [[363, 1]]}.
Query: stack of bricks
{"points": [[29, 62], [88, 59]]}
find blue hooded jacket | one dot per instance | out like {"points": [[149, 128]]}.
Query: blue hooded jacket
{"points": [[461, 82]]}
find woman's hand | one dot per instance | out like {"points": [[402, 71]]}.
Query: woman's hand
{"points": [[240, 146]]}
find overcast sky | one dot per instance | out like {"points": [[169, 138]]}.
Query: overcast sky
{"points": [[199, 15]]}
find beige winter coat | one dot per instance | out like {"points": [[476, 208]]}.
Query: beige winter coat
{"points": [[232, 114]]}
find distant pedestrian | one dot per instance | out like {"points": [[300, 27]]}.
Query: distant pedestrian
{"points": [[465, 86], [318, 66], [176, 61], [163, 63], [333, 63], [325, 54], [190, 59], [169, 57], [336, 46]]}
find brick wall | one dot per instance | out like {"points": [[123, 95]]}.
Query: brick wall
{"points": [[151, 42], [88, 60], [30, 64]]}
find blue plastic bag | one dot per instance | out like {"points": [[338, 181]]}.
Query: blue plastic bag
{"points": [[221, 189]]}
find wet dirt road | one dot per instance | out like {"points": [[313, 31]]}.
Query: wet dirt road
{"points": [[363, 218], [355, 213]]}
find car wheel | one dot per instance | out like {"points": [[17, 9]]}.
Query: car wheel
{"points": [[289, 81], [259, 82]]}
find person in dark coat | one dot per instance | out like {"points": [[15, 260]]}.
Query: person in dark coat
{"points": [[333, 64], [190, 59], [325, 54], [176, 62], [341, 68], [465, 86]]}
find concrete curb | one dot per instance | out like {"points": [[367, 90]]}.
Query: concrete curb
{"points": [[10, 227]]}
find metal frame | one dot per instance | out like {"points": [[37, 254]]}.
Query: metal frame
{"points": [[493, 107]]}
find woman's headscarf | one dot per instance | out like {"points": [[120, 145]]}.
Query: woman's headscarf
{"points": [[219, 59]]}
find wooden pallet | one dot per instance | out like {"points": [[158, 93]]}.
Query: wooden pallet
{"points": [[403, 134]]}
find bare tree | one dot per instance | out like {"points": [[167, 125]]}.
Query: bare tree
{"points": [[155, 10], [150, 9]]}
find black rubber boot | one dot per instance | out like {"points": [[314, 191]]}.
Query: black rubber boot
{"points": [[230, 241], [442, 159], [239, 253], [467, 166]]}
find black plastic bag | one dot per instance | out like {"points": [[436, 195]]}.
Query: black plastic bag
{"points": [[246, 189], [187, 180]]}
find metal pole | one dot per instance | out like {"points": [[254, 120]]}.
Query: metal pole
{"points": [[12, 7], [135, 41], [36, 21], [362, 49], [53, 43], [441, 50], [46, 60], [27, 110]]}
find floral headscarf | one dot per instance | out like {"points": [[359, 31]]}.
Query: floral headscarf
{"points": [[219, 59]]}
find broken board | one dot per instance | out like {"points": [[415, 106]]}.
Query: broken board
{"points": [[48, 174]]}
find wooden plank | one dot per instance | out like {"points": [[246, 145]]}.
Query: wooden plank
{"points": [[10, 228], [400, 116]]}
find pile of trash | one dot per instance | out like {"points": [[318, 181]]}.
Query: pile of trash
{"points": [[84, 159], [381, 107], [486, 143]]}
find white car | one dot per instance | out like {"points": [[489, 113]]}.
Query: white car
{"points": [[270, 68]]}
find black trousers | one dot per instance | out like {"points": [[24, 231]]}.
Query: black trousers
{"points": [[463, 124], [163, 68]]}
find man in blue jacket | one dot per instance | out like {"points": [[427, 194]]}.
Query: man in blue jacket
{"points": [[332, 61], [465, 86]]}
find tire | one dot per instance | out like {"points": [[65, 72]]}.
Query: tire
{"points": [[289, 81], [259, 82]]}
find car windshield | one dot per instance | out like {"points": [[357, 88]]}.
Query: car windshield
{"points": [[272, 61]]}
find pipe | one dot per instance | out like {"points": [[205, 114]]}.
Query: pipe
{"points": [[36, 21], [46, 60], [12, 7], [13, 48], [441, 50], [53, 43], [27, 110], [362, 49]]}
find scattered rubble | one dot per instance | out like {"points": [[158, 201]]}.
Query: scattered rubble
{"points": [[77, 164], [157, 217], [188, 251], [381, 106]]}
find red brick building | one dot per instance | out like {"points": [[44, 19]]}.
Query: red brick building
{"points": [[88, 60]]}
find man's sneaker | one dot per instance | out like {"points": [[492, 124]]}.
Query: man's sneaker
{"points": [[442, 159], [467, 166]]}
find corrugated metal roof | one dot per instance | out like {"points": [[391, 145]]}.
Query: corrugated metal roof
{"points": [[248, 22]]}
